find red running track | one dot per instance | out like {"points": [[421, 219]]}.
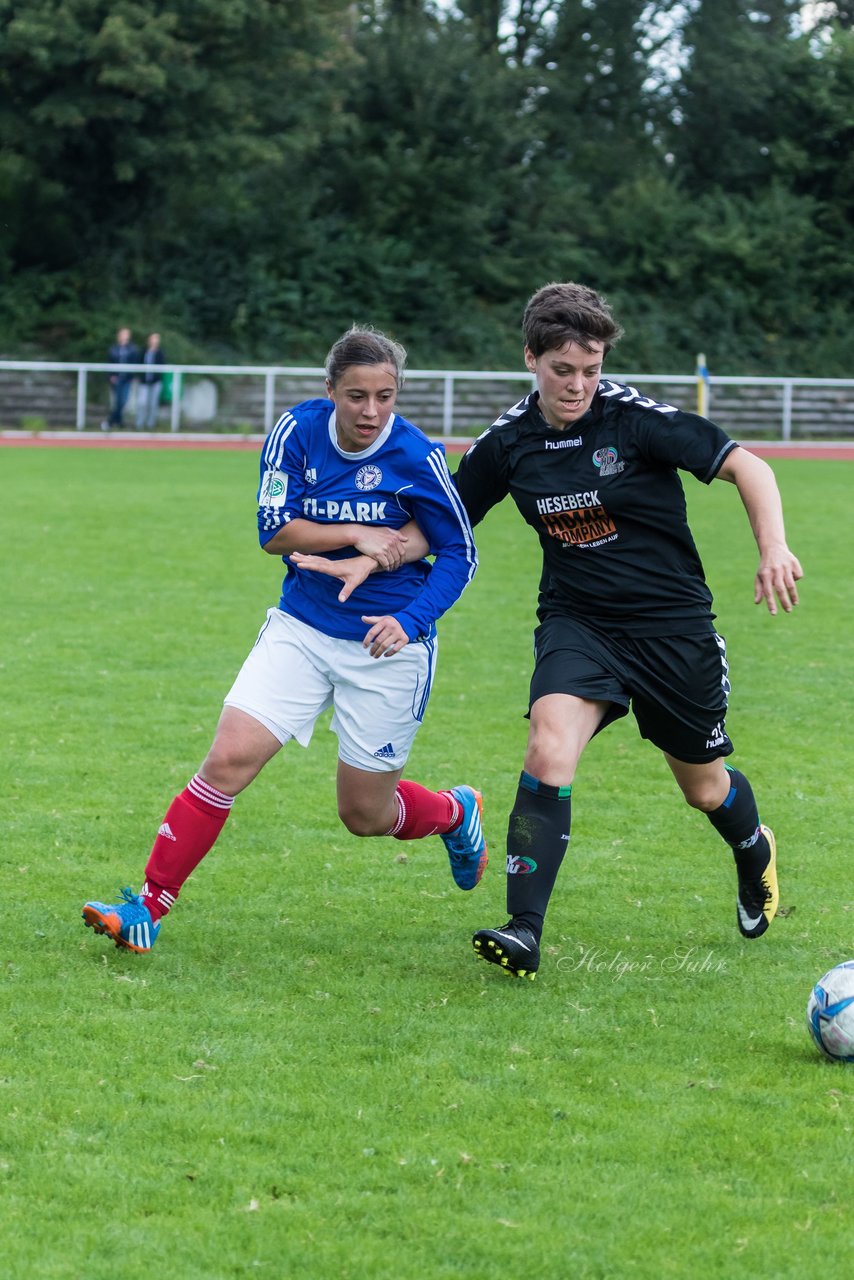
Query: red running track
{"points": [[110, 440]]}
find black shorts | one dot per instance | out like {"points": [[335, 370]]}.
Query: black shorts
{"points": [[677, 686]]}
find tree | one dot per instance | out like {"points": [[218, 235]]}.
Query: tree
{"points": [[425, 173], [728, 100], [134, 133], [253, 175]]}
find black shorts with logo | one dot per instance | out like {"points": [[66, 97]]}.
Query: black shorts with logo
{"points": [[677, 686]]}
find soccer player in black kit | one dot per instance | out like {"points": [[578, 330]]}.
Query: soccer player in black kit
{"points": [[624, 612], [625, 616]]}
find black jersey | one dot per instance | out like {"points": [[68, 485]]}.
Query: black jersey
{"points": [[607, 503]]}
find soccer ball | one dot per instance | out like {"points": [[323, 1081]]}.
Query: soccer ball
{"points": [[830, 1012]]}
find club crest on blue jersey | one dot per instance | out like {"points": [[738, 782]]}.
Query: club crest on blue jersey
{"points": [[369, 476], [608, 461]]}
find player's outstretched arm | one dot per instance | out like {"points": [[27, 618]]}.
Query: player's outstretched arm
{"points": [[352, 571], [386, 546], [779, 569]]}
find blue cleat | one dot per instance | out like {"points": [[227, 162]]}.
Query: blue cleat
{"points": [[128, 923], [466, 846]]}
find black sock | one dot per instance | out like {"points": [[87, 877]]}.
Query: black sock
{"points": [[737, 821], [537, 837]]}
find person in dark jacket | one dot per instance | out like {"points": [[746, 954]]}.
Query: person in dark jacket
{"points": [[149, 385], [123, 351]]}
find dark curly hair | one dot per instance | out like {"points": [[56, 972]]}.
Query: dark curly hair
{"points": [[560, 313]]}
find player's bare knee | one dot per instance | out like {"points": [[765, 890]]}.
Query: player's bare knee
{"points": [[705, 796], [360, 822], [544, 750], [228, 769]]}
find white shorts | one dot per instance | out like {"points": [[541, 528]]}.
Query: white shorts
{"points": [[295, 672]]}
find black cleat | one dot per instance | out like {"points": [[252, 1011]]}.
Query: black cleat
{"points": [[757, 901], [513, 947]]}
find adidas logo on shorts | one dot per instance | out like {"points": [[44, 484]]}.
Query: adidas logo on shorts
{"points": [[385, 753]]}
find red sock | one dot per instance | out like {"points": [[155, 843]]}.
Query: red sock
{"points": [[424, 813], [192, 823]]}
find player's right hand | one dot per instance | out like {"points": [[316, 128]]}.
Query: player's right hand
{"points": [[386, 546], [775, 580]]}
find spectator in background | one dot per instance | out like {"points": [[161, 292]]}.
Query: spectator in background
{"points": [[149, 385], [122, 351]]}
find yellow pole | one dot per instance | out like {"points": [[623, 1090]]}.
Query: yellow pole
{"points": [[702, 386]]}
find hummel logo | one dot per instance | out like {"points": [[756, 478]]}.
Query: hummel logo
{"points": [[166, 831], [385, 752]]}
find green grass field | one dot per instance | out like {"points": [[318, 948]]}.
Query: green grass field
{"points": [[312, 1075]]}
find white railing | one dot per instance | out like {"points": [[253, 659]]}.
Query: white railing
{"points": [[269, 373], [178, 372], [778, 407]]}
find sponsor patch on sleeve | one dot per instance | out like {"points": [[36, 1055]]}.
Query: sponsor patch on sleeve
{"points": [[274, 489]]}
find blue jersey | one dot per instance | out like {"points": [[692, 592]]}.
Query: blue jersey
{"points": [[402, 476]]}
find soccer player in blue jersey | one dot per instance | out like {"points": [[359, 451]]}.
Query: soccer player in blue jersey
{"points": [[625, 615], [340, 477]]}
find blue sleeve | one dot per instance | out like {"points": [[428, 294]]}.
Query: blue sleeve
{"points": [[282, 480], [441, 516]]}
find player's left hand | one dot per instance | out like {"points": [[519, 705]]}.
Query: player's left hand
{"points": [[385, 638], [352, 570], [778, 572]]}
